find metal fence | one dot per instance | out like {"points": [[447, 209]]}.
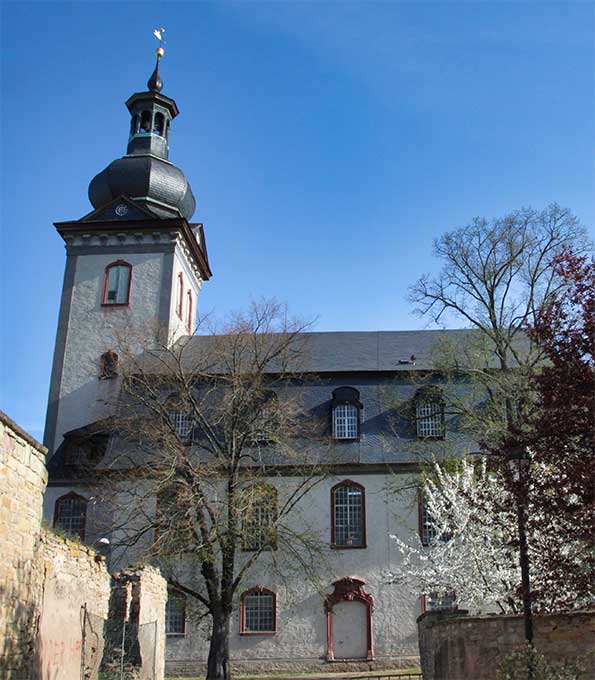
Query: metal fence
{"points": [[114, 649]]}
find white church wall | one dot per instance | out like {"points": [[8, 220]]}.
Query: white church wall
{"points": [[301, 619], [94, 329]]}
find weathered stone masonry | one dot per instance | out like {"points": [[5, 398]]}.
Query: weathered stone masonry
{"points": [[55, 592], [453, 645], [45, 579]]}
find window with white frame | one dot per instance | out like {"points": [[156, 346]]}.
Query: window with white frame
{"points": [[345, 421], [175, 614], [258, 517], [116, 285], [348, 523], [429, 416], [182, 423], [70, 513], [430, 533], [258, 613]]}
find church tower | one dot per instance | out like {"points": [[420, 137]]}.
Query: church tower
{"points": [[135, 263]]}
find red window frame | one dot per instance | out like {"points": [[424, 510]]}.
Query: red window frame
{"points": [[180, 596], [104, 301], [348, 483], [58, 503], [257, 590], [189, 320], [181, 294]]}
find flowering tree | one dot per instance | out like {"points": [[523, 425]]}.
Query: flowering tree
{"points": [[561, 438], [470, 551]]}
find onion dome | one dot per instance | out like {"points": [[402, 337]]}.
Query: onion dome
{"points": [[144, 174]]}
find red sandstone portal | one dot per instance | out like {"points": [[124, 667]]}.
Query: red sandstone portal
{"points": [[352, 628]]}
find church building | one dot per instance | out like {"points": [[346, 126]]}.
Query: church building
{"points": [[135, 266]]}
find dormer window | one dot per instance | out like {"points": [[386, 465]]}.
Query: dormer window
{"points": [[429, 413], [182, 423], [346, 408], [116, 284]]}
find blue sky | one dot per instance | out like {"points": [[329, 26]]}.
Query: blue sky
{"points": [[327, 144]]}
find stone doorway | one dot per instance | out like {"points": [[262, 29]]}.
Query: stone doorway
{"points": [[349, 621]]}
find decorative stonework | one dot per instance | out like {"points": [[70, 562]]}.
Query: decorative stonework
{"points": [[348, 589]]}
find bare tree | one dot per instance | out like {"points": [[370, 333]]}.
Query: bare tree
{"points": [[496, 275], [213, 455]]}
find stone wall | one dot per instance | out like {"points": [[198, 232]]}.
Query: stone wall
{"points": [[138, 600], [54, 591], [453, 645], [23, 478], [74, 605]]}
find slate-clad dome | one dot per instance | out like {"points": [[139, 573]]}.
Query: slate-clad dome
{"points": [[145, 175], [152, 182]]}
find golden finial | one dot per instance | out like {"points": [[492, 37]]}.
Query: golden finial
{"points": [[158, 33]]}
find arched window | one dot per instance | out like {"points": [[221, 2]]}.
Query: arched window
{"points": [[346, 408], [348, 515], [182, 423], [145, 121], [189, 312], [180, 297], [70, 514], [175, 613], [134, 123], [258, 507], [167, 130], [429, 413], [258, 611], [159, 124], [116, 283], [108, 365], [429, 531]]}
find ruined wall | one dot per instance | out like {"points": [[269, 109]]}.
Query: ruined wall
{"points": [[74, 605], [54, 591], [453, 645], [137, 602], [22, 482]]}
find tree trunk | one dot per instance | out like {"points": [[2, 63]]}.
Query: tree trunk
{"points": [[218, 662]]}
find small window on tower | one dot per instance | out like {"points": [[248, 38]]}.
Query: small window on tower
{"points": [[189, 318], [108, 365], [116, 285], [180, 298]]}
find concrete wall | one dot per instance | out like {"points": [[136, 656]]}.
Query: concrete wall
{"points": [[454, 646]]}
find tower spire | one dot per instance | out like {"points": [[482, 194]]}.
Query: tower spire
{"points": [[155, 84]]}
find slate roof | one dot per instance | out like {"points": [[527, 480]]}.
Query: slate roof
{"points": [[353, 351]]}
